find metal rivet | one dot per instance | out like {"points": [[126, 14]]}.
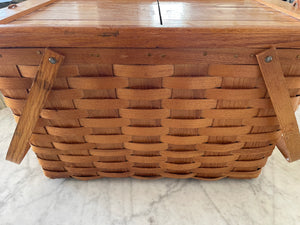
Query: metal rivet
{"points": [[149, 54], [251, 55], [163, 56], [298, 57], [205, 53], [12, 6], [236, 56], [52, 60], [39, 52], [268, 59]]}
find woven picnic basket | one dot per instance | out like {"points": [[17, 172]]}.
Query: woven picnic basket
{"points": [[203, 121], [130, 98]]}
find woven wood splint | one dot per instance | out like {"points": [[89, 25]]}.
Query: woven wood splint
{"points": [[202, 121], [149, 89]]}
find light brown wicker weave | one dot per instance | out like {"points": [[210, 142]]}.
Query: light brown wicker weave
{"points": [[151, 112], [205, 121]]}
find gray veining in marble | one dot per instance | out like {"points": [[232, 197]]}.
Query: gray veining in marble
{"points": [[2, 104], [29, 198]]}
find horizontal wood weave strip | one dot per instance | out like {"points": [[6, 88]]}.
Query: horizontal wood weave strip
{"points": [[189, 116]]}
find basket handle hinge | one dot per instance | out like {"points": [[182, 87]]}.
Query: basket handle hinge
{"points": [[37, 97], [273, 75]]}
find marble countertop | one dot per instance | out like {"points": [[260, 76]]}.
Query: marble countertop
{"points": [[27, 197]]}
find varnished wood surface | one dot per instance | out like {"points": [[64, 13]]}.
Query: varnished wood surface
{"points": [[137, 13], [234, 13], [132, 23], [251, 37], [188, 13], [280, 98], [235, 56], [36, 100]]}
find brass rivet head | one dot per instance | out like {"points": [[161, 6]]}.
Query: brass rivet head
{"points": [[268, 59], [298, 57], [52, 60], [38, 52]]}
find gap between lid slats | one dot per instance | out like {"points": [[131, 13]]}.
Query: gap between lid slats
{"points": [[159, 12]]}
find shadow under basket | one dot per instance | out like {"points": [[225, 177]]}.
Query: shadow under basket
{"points": [[127, 118]]}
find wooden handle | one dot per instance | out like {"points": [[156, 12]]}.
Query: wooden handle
{"points": [[296, 4], [284, 7], [37, 97], [276, 85]]}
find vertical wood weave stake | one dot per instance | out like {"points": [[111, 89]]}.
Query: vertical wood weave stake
{"points": [[37, 97], [275, 82]]}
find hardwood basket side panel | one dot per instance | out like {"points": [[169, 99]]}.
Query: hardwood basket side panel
{"points": [[160, 120]]}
